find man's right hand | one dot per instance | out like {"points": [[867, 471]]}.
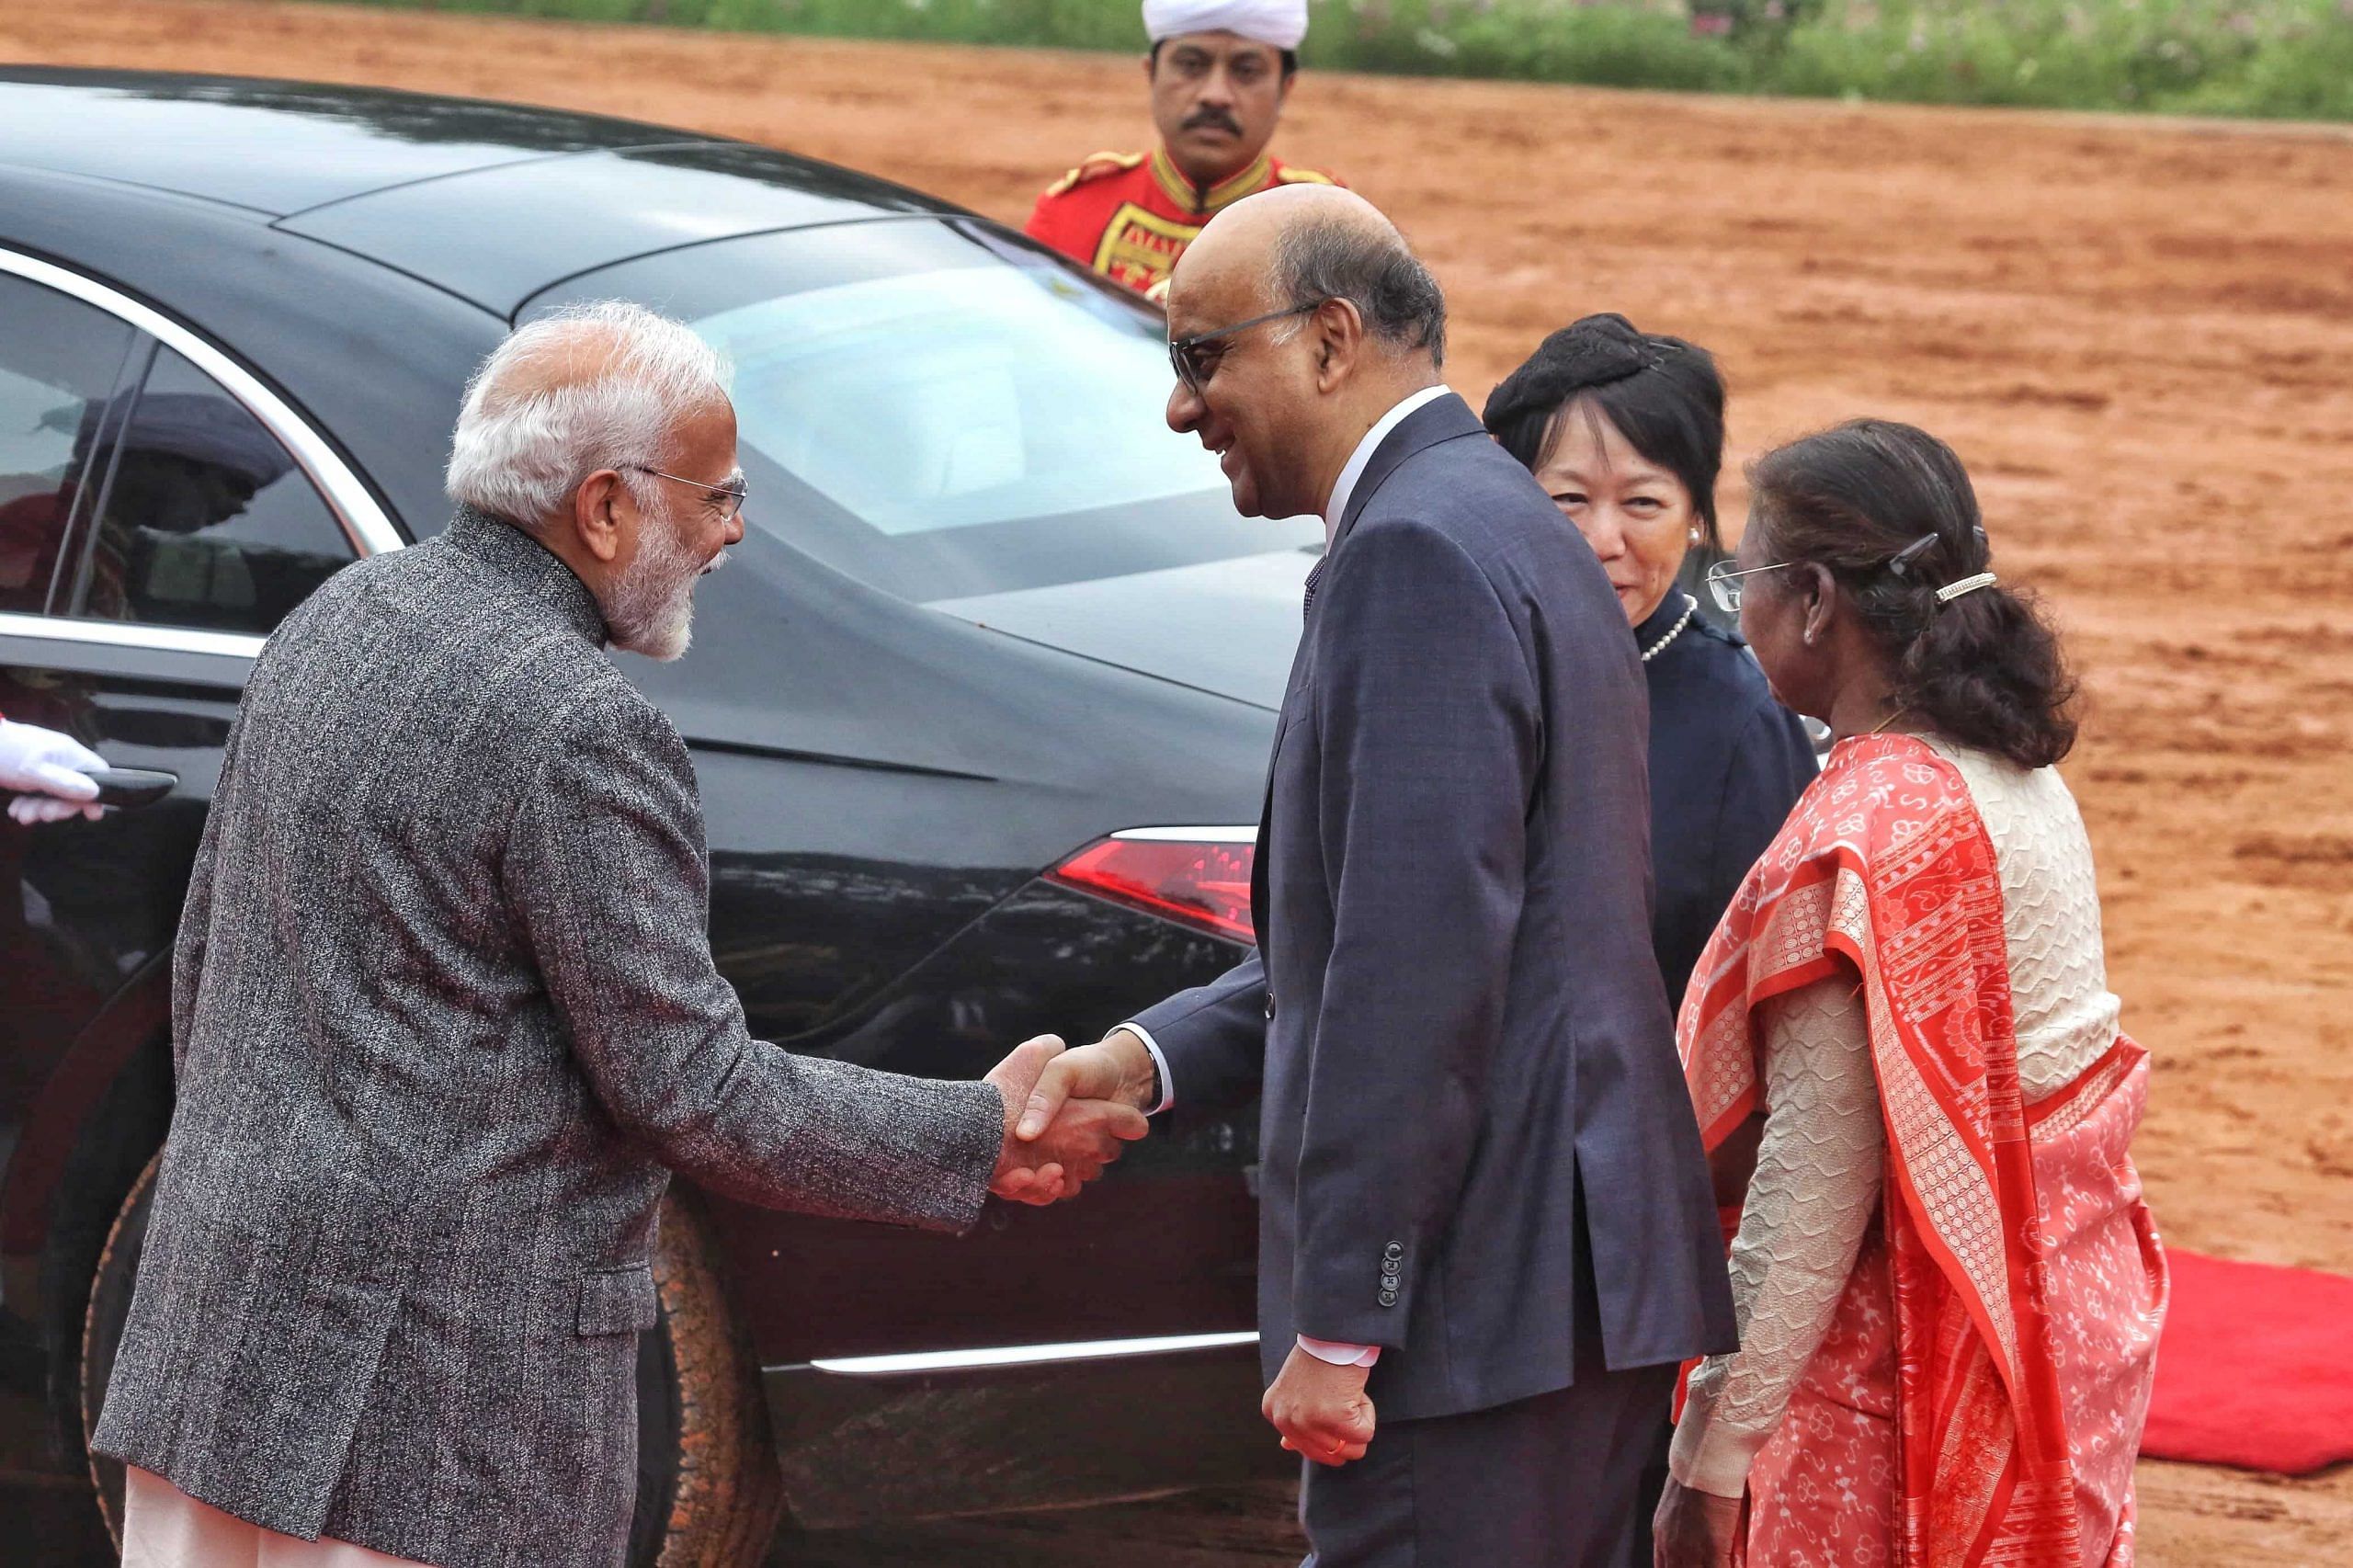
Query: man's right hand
{"points": [[1117, 1068]]}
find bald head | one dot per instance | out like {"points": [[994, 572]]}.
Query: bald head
{"points": [[1299, 317], [580, 349], [1299, 244], [1246, 233]]}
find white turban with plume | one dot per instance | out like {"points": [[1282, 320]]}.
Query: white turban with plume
{"points": [[1279, 23]]}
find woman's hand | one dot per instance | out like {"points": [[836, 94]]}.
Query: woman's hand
{"points": [[1733, 1163], [1694, 1529]]}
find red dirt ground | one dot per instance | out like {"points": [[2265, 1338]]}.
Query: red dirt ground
{"points": [[2135, 332]]}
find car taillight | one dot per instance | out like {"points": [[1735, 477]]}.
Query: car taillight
{"points": [[1199, 877]]}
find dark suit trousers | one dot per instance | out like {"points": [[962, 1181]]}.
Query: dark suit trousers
{"points": [[1550, 1482]]}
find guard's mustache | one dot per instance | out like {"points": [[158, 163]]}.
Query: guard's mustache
{"points": [[1202, 119]]}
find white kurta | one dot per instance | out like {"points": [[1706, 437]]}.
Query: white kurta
{"points": [[163, 1527]]}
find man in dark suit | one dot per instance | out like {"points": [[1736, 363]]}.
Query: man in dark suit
{"points": [[1484, 1208], [445, 1019]]}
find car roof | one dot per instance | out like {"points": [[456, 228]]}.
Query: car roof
{"points": [[490, 202]]}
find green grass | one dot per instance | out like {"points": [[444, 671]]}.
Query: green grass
{"points": [[2286, 59]]}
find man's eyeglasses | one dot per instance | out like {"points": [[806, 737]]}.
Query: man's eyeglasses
{"points": [[1184, 353], [1725, 583], [726, 499]]}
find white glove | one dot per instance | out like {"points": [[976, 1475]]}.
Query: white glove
{"points": [[49, 773]]}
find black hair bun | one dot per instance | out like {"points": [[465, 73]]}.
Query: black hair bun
{"points": [[1589, 353]]}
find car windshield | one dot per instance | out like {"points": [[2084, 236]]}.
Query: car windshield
{"points": [[942, 413]]}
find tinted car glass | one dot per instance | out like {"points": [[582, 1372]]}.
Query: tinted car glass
{"points": [[942, 412], [206, 520], [59, 362]]}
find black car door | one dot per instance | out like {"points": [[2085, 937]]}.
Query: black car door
{"points": [[62, 364], [160, 512]]}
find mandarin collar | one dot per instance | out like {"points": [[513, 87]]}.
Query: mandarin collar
{"points": [[1203, 201], [532, 568]]}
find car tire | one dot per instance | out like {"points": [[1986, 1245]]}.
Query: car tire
{"points": [[709, 1493], [110, 1283]]}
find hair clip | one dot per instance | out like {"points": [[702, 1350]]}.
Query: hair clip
{"points": [[1952, 591], [1903, 561]]}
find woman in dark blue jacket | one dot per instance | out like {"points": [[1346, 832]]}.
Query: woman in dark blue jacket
{"points": [[1625, 431]]}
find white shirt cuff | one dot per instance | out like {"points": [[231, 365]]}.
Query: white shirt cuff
{"points": [[1339, 1353], [1159, 1065]]}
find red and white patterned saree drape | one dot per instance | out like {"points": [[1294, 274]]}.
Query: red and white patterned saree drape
{"points": [[1884, 871]]}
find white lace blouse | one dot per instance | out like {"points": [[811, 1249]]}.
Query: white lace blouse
{"points": [[1821, 1163]]}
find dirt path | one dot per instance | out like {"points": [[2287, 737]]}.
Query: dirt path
{"points": [[2136, 334]]}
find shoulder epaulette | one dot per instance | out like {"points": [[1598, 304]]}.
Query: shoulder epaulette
{"points": [[1095, 166], [1291, 176]]}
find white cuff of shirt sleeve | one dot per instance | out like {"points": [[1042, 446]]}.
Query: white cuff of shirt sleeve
{"points": [[1159, 1065], [1339, 1353]]}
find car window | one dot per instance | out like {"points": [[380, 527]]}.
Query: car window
{"points": [[957, 398], [942, 412], [59, 362], [205, 521]]}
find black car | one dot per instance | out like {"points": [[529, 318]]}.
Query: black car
{"points": [[980, 714]]}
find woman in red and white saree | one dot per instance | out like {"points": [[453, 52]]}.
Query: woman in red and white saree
{"points": [[1949, 1287]]}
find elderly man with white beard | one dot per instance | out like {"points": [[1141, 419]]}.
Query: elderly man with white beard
{"points": [[445, 1020]]}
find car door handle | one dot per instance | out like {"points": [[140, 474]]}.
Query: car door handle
{"points": [[125, 786], [129, 786]]}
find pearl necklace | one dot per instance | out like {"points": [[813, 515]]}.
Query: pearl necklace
{"points": [[1690, 606]]}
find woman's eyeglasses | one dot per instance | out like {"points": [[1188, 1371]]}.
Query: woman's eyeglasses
{"points": [[725, 499], [1184, 353], [1725, 583]]}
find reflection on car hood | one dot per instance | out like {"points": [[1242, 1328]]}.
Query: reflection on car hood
{"points": [[1228, 627]]}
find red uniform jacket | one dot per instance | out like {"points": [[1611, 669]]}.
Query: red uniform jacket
{"points": [[1131, 215]]}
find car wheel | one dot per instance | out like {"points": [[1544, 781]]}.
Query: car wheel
{"points": [[709, 1492], [102, 1330]]}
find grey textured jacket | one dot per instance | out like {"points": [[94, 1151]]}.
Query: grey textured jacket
{"points": [[444, 1019]]}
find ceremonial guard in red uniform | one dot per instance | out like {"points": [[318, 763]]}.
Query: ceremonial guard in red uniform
{"points": [[1131, 215], [1219, 73]]}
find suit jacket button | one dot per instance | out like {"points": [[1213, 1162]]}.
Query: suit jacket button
{"points": [[1270, 1005], [1392, 1250], [1389, 1298]]}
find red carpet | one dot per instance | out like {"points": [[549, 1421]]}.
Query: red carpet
{"points": [[2255, 1368]]}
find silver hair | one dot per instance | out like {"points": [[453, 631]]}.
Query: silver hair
{"points": [[1329, 257], [526, 438]]}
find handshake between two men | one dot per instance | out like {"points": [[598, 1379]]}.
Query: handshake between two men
{"points": [[1067, 1113]]}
